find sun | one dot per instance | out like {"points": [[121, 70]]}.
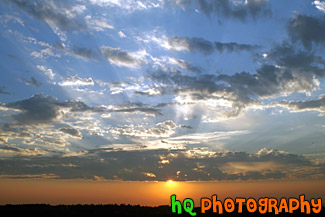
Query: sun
{"points": [[170, 181]]}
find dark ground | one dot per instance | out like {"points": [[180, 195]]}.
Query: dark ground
{"points": [[44, 210]]}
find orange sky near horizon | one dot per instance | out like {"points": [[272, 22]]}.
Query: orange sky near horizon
{"points": [[28, 191]]}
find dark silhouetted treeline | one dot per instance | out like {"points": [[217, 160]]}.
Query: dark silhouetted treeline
{"points": [[44, 210]]}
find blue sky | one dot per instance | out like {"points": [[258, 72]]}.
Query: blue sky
{"points": [[199, 90]]}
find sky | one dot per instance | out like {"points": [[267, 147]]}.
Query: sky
{"points": [[113, 92]]}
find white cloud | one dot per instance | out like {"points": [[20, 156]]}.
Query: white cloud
{"points": [[47, 71], [76, 81], [319, 5], [152, 175], [98, 25], [129, 5], [9, 18], [121, 34]]}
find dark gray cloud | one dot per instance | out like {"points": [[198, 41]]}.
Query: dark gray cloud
{"points": [[307, 105], [16, 151], [285, 70], [307, 29], [227, 8], [289, 70], [40, 109], [71, 131], [32, 81], [37, 109], [57, 14], [205, 83], [85, 53], [304, 63], [120, 57], [234, 47], [179, 165], [178, 83], [206, 47], [191, 44], [44, 109]]}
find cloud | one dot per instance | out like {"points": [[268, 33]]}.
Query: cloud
{"points": [[47, 71], [137, 107], [162, 130], [320, 5], [285, 70], [29, 176], [143, 132], [222, 8], [76, 81], [32, 81], [184, 65], [72, 132], [161, 165], [58, 14], [227, 8], [120, 57], [307, 105], [48, 50], [59, 45], [62, 16], [2, 90], [40, 109], [169, 124], [16, 151], [98, 25], [128, 5], [234, 47], [204, 137], [288, 71], [121, 34], [127, 87], [191, 44], [9, 18], [206, 47], [152, 175], [85, 53], [307, 30], [37, 109], [116, 87]]}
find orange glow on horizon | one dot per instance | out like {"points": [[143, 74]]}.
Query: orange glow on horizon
{"points": [[19, 191]]}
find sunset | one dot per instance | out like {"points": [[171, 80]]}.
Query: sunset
{"points": [[123, 102]]}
